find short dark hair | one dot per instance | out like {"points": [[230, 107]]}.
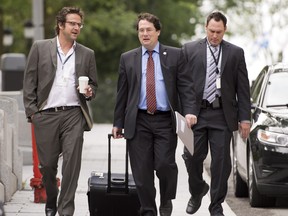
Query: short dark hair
{"points": [[150, 18], [61, 16], [217, 16]]}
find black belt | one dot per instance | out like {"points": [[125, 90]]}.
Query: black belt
{"points": [[57, 109], [217, 104], [157, 112], [205, 104]]}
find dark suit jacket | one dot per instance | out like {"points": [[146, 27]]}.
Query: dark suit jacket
{"points": [[178, 86], [235, 91], [40, 73]]}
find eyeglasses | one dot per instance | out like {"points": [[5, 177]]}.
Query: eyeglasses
{"points": [[147, 30], [73, 24]]}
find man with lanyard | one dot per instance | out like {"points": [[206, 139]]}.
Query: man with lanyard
{"points": [[211, 93], [222, 90], [55, 107]]}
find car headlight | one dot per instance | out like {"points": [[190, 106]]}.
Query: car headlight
{"points": [[272, 138]]}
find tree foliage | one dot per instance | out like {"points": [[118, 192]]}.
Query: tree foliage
{"points": [[261, 23], [109, 29], [13, 19]]}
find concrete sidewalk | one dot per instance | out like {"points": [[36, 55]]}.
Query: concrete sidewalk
{"points": [[95, 159]]}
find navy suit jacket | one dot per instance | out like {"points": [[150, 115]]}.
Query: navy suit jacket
{"points": [[178, 85], [235, 90]]}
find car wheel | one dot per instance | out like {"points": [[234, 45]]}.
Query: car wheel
{"points": [[240, 186], [256, 199]]}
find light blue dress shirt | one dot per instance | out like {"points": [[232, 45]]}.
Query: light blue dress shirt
{"points": [[161, 93]]}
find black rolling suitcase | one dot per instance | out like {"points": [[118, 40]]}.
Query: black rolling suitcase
{"points": [[113, 194]]}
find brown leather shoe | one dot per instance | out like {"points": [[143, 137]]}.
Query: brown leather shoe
{"points": [[165, 208], [195, 202]]}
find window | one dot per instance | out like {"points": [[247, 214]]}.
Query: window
{"points": [[257, 84], [276, 91]]}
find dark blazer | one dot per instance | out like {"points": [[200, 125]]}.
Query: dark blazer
{"points": [[40, 73], [178, 86], [235, 93]]}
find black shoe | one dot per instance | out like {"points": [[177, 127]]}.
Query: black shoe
{"points": [[149, 213], [166, 208], [50, 211], [195, 202]]}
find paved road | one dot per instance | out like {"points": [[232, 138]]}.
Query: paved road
{"points": [[241, 206], [95, 159]]}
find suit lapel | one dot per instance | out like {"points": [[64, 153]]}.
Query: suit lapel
{"points": [[163, 53], [53, 51], [78, 59], [225, 54], [203, 53], [163, 56], [138, 63]]}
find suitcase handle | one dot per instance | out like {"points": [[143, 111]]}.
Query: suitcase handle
{"points": [[109, 168], [117, 181]]}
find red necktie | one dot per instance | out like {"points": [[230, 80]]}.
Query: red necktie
{"points": [[150, 85]]}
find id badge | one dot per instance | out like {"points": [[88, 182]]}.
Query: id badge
{"points": [[218, 83], [62, 82]]}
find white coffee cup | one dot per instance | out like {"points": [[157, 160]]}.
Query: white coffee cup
{"points": [[83, 83]]}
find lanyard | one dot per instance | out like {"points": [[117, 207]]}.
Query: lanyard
{"points": [[63, 63], [216, 61]]}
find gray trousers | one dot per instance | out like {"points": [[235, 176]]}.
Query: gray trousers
{"points": [[56, 133]]}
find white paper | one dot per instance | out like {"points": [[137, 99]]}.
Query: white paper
{"points": [[184, 132]]}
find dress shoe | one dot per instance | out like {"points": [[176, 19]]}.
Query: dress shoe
{"points": [[50, 211], [166, 208], [148, 213], [195, 202]]}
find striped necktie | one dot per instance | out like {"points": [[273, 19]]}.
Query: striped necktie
{"points": [[212, 75]]}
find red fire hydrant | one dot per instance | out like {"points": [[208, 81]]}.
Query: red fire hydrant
{"points": [[36, 182]]}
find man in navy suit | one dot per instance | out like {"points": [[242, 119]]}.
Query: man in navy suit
{"points": [[222, 90], [151, 136]]}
